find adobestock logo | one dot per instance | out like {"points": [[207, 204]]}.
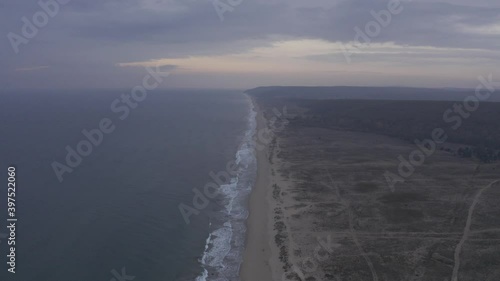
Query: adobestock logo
{"points": [[39, 19], [454, 117], [372, 29], [221, 7], [121, 109]]}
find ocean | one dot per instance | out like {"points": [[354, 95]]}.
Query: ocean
{"points": [[108, 189]]}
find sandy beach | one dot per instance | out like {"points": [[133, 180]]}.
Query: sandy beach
{"points": [[256, 261]]}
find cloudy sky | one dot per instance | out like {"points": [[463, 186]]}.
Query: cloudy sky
{"points": [[248, 43]]}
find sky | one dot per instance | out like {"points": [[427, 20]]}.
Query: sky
{"points": [[241, 44]]}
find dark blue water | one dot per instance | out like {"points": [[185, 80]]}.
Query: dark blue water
{"points": [[119, 208]]}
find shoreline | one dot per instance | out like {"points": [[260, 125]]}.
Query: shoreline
{"points": [[258, 254], [226, 239]]}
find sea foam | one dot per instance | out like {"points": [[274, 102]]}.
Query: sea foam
{"points": [[225, 244]]}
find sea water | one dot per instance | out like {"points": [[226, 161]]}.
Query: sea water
{"points": [[117, 211]]}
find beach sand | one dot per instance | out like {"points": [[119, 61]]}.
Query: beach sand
{"points": [[257, 256]]}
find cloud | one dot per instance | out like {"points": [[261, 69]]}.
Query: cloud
{"points": [[259, 35], [32, 68], [308, 57], [490, 29], [190, 22]]}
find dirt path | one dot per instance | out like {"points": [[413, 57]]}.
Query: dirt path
{"points": [[458, 249], [352, 230]]}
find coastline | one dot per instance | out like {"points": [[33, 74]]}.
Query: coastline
{"points": [[258, 255], [224, 246]]}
